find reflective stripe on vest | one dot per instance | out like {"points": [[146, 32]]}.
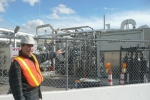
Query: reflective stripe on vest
{"points": [[32, 74], [37, 65]]}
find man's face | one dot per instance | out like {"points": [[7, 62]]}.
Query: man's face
{"points": [[27, 49]]}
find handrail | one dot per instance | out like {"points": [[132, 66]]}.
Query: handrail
{"points": [[75, 28], [45, 25]]}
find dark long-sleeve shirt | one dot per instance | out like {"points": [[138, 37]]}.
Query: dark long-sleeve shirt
{"points": [[18, 82]]}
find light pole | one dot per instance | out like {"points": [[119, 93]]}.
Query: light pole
{"points": [[15, 31], [39, 9]]}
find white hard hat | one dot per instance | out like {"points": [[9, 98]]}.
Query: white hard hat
{"points": [[27, 39]]}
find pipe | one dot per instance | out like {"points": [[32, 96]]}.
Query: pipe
{"points": [[41, 26], [53, 36], [127, 22], [104, 22], [6, 31], [75, 28], [68, 34]]}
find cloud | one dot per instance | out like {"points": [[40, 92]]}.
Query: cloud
{"points": [[31, 2], [54, 15], [141, 17], [30, 26], [112, 9], [96, 22], [61, 9], [3, 4], [114, 19]]}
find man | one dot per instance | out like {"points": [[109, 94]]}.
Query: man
{"points": [[24, 75]]}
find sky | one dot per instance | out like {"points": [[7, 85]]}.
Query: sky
{"points": [[28, 14]]}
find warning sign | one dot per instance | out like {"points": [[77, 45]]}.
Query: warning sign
{"points": [[14, 51]]}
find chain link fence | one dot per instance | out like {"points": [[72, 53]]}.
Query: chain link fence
{"points": [[86, 62], [4, 66]]}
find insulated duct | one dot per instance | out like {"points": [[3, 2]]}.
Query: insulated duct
{"points": [[127, 22]]}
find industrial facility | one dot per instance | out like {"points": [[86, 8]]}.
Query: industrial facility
{"points": [[90, 58]]}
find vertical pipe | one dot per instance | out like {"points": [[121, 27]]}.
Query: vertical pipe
{"points": [[67, 64], [14, 40], [80, 50], [148, 62], [104, 22], [121, 50], [127, 24], [45, 39], [54, 49], [10, 40], [98, 58], [85, 58], [142, 37]]}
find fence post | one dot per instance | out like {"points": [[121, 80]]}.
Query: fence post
{"points": [[66, 60]]}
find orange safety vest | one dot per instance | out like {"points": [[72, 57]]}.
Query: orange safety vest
{"points": [[30, 70]]}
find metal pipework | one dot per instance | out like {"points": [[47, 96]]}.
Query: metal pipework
{"points": [[53, 32], [53, 36], [127, 22], [45, 25], [75, 28], [68, 34]]}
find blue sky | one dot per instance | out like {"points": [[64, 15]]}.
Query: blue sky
{"points": [[72, 13]]}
